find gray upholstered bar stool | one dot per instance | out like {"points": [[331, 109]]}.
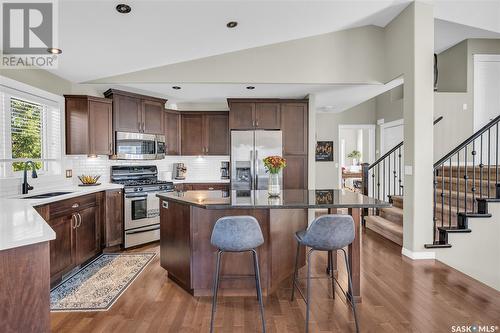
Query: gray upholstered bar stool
{"points": [[326, 233], [237, 234]]}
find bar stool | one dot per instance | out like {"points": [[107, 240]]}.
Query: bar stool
{"points": [[326, 233], [237, 234]]}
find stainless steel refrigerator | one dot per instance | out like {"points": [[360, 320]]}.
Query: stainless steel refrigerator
{"points": [[248, 149]]}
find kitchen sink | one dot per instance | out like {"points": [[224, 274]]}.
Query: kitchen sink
{"points": [[46, 195]]}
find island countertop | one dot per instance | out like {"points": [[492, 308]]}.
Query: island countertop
{"points": [[289, 199]]}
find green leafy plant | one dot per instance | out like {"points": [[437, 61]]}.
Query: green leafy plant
{"points": [[355, 154]]}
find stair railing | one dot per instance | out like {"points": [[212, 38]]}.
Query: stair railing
{"points": [[463, 175], [384, 178]]}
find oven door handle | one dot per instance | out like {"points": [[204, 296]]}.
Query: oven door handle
{"points": [[156, 227], [138, 195]]}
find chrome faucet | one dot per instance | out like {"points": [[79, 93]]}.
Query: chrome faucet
{"points": [[27, 187]]}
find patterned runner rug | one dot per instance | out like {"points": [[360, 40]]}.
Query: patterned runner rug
{"points": [[97, 286]]}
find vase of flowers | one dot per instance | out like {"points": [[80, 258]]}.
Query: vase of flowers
{"points": [[274, 164]]}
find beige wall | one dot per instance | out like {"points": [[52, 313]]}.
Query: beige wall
{"points": [[348, 56], [477, 253], [47, 81], [327, 129], [389, 107], [456, 89]]}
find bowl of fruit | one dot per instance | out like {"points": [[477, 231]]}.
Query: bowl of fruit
{"points": [[89, 180]]}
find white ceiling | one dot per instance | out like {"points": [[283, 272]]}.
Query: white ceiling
{"points": [[329, 98], [99, 42], [447, 34]]}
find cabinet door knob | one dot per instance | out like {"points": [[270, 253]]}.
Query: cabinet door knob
{"points": [[79, 220], [257, 123], [75, 205], [73, 218]]}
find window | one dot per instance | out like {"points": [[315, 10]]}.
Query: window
{"points": [[30, 129]]}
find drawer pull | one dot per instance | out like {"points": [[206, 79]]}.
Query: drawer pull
{"points": [[164, 204], [210, 188], [75, 205]]}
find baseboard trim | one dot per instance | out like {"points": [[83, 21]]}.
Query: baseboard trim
{"points": [[420, 255]]}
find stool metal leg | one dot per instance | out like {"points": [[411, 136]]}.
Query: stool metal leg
{"points": [[215, 289], [259, 290], [308, 297], [351, 298], [332, 270], [295, 271]]}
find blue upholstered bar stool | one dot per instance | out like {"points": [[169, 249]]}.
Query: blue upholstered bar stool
{"points": [[326, 233], [237, 234]]}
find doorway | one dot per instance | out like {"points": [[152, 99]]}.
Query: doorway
{"points": [[391, 134], [356, 145], [486, 88]]}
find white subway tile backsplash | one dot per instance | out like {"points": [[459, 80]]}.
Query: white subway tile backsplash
{"points": [[205, 168]]}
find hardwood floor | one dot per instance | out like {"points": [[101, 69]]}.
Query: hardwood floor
{"points": [[399, 295]]}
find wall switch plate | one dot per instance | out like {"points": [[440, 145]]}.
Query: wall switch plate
{"points": [[69, 173], [408, 170], [380, 121], [464, 107]]}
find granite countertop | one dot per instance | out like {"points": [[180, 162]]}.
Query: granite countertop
{"points": [[288, 199], [199, 181], [21, 225]]}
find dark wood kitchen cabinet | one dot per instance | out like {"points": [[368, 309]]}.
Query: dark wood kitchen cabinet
{"points": [[204, 133], [294, 124], [247, 114], [77, 223], [192, 141], [89, 128], [137, 113], [173, 132], [113, 225]]}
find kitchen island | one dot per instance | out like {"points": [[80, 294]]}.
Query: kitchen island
{"points": [[187, 220]]}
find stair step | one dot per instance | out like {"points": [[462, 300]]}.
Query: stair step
{"points": [[470, 171], [479, 185], [437, 245], [385, 228], [393, 214], [397, 201]]}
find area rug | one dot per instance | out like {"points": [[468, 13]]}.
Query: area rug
{"points": [[98, 285]]}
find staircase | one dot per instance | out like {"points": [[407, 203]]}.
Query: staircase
{"points": [[465, 181], [389, 221]]}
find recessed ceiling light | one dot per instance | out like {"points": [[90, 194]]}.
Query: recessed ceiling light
{"points": [[176, 87], [231, 24], [250, 87], [53, 50], [123, 8]]}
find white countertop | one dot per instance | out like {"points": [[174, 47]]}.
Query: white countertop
{"points": [[21, 225]]}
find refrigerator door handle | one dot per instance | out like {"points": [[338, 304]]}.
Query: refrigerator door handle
{"points": [[256, 168]]}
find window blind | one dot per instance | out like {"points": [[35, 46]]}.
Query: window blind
{"points": [[30, 129]]}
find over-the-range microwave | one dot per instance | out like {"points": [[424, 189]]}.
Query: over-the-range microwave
{"points": [[139, 146]]}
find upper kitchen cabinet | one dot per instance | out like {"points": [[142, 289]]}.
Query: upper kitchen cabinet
{"points": [[216, 133], [137, 113], [192, 141], [88, 125], [247, 114], [204, 133], [173, 132], [294, 123]]}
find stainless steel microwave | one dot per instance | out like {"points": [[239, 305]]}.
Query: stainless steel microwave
{"points": [[139, 146]]}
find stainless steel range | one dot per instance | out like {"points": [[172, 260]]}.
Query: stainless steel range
{"points": [[142, 207]]}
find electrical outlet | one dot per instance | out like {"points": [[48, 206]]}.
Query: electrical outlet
{"points": [[69, 173]]}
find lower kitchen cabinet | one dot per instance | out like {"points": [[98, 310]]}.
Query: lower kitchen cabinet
{"points": [[77, 223], [87, 234], [62, 256], [113, 226], [202, 187]]}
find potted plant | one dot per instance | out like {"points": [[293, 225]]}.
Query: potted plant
{"points": [[355, 155], [274, 164]]}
